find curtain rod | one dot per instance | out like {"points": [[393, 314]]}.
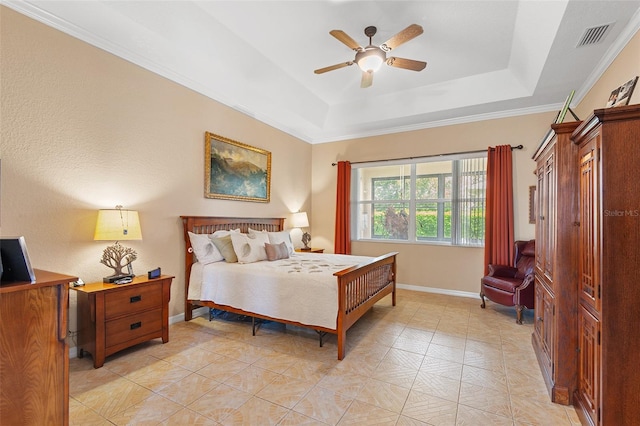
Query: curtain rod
{"points": [[428, 156]]}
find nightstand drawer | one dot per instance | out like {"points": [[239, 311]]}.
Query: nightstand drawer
{"points": [[132, 327], [132, 299]]}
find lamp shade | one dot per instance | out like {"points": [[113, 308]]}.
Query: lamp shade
{"points": [[299, 220], [117, 225]]}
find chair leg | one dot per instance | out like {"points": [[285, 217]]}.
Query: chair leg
{"points": [[519, 309], [483, 305]]}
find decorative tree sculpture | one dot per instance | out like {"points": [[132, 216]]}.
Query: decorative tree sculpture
{"points": [[115, 254]]}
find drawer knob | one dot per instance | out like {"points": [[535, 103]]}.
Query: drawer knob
{"points": [[136, 325], [135, 299]]}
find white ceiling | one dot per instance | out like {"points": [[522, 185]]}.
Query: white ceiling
{"points": [[486, 59]]}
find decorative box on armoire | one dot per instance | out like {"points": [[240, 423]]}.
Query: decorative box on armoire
{"points": [[608, 385], [34, 354], [554, 338]]}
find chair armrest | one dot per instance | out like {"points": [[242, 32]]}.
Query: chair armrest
{"points": [[528, 280], [502, 271]]}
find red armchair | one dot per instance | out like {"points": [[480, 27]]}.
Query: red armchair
{"points": [[512, 286]]}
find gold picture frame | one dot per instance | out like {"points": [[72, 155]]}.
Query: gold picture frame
{"points": [[236, 171]]}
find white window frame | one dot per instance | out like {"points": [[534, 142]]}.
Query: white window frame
{"points": [[412, 202]]}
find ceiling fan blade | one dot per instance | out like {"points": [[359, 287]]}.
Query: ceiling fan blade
{"points": [[344, 38], [407, 64], [412, 31], [367, 79], [333, 67]]}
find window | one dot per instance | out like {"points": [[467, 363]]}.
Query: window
{"points": [[440, 201]]}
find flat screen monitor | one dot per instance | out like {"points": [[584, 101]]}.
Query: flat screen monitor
{"points": [[14, 257]]}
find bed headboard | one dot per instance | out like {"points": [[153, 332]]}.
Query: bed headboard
{"points": [[211, 224]]}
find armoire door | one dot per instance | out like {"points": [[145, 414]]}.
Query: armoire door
{"points": [[589, 235]]}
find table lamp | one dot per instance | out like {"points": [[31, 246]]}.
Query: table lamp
{"points": [[300, 220], [118, 225]]}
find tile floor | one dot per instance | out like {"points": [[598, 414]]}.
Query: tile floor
{"points": [[430, 360]]}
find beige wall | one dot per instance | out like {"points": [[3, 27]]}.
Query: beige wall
{"points": [[84, 130]]}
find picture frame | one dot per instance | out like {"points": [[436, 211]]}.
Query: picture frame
{"points": [[565, 108], [532, 204], [236, 171], [622, 95]]}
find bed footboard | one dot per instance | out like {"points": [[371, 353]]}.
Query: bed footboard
{"points": [[359, 288]]}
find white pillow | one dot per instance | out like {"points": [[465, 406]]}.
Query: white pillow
{"points": [[203, 247], [250, 248], [277, 238], [224, 233]]}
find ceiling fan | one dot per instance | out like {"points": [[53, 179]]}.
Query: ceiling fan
{"points": [[370, 58]]}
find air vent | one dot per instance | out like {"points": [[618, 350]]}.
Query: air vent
{"points": [[594, 35]]}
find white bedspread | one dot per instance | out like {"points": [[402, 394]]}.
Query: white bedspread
{"points": [[301, 288]]}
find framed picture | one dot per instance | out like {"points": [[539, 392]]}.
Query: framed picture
{"points": [[236, 171], [532, 204], [622, 94]]}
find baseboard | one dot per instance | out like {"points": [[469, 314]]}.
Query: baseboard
{"points": [[422, 289], [203, 310]]}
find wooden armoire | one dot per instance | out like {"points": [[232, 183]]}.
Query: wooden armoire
{"points": [[587, 315], [555, 325], [608, 312]]}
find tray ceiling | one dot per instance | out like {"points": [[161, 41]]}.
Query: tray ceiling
{"points": [[485, 59]]}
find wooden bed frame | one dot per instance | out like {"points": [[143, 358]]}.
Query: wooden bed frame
{"points": [[359, 287]]}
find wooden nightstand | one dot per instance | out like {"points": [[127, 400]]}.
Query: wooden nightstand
{"points": [[112, 317], [312, 250]]}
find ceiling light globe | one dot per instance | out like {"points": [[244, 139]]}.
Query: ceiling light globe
{"points": [[371, 59]]}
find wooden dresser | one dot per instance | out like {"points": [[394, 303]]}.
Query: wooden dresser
{"points": [[555, 328], [112, 317], [608, 375], [34, 355]]}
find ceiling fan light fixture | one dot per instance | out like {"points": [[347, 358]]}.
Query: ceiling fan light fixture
{"points": [[371, 59]]}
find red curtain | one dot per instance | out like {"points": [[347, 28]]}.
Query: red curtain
{"points": [[498, 239], [343, 200]]}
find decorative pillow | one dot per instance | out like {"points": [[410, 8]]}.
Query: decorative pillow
{"points": [[222, 232], [250, 248], [277, 238], [276, 251], [225, 246], [204, 249]]}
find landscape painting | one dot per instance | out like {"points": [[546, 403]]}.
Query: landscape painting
{"points": [[236, 171]]}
